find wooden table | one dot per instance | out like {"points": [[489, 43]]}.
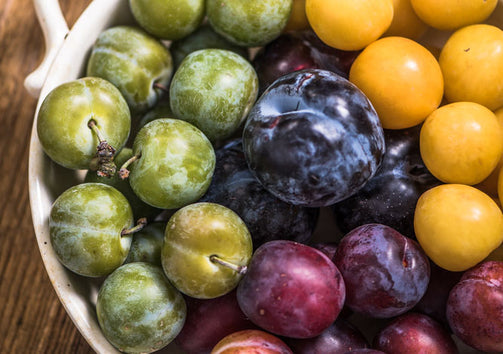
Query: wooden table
{"points": [[32, 320]]}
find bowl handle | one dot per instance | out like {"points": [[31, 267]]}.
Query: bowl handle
{"points": [[55, 29]]}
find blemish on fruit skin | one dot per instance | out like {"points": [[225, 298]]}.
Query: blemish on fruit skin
{"points": [[261, 312], [466, 50]]}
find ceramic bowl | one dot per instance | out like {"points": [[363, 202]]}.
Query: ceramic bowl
{"points": [[66, 56]]}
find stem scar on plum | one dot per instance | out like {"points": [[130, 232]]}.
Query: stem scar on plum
{"points": [[123, 171], [103, 161], [237, 268], [140, 224]]}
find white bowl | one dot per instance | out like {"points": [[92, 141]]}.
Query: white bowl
{"points": [[65, 61]]}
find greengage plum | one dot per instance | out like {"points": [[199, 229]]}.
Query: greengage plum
{"points": [[475, 307], [138, 310], [147, 243], [249, 23], [291, 290], [135, 62], [390, 196], [173, 19], [172, 165], [414, 333], [210, 320], [313, 138], [86, 225], [63, 122], [204, 37], [140, 208], [206, 250], [339, 338], [213, 89], [234, 186], [251, 341], [293, 51], [386, 273]]}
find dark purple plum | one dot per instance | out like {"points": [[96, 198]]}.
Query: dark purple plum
{"points": [[210, 320], [414, 333], [434, 301], [234, 186], [475, 307], [390, 197], [291, 290], [339, 338], [328, 248], [386, 273], [364, 351], [313, 138], [298, 50]]}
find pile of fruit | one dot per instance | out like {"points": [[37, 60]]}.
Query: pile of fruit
{"points": [[218, 134]]}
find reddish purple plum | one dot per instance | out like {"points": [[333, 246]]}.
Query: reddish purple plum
{"points": [[339, 338], [475, 307], [291, 289], [415, 333], [251, 341], [386, 273], [210, 320]]}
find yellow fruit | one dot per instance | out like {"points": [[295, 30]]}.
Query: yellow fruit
{"points": [[461, 143], [457, 226], [401, 78], [349, 24]]}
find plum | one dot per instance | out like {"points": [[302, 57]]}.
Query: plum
{"points": [[386, 273], [251, 341], [313, 138], [299, 50], [210, 320], [414, 333], [291, 289], [475, 307], [339, 338]]}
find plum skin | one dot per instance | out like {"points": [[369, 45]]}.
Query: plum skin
{"points": [[138, 309], [475, 307], [313, 138], [291, 290], [386, 273], [85, 226], [62, 122]]}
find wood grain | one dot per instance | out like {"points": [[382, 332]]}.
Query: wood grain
{"points": [[32, 320]]}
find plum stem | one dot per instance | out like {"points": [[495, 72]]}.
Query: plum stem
{"points": [[123, 171], [140, 224], [237, 268], [103, 161], [161, 87]]}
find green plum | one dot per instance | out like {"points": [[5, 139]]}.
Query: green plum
{"points": [[206, 250], [87, 226], [249, 23], [134, 61], [204, 37], [173, 19], [140, 208], [138, 309], [147, 244], [173, 163], [64, 118], [214, 89]]}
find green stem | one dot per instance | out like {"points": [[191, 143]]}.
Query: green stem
{"points": [[237, 268], [140, 224], [123, 171]]}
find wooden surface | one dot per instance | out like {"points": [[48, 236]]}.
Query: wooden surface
{"points": [[31, 318]]}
